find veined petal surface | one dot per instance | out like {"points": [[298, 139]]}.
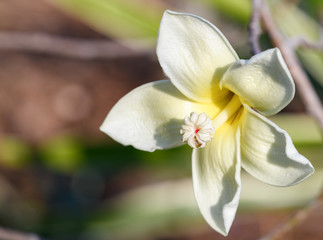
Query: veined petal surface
{"points": [[216, 178], [268, 153], [194, 55], [150, 116], [264, 82]]}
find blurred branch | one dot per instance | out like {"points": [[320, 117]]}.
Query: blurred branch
{"points": [[255, 28], [306, 91], [66, 47], [302, 42], [15, 235], [295, 220]]}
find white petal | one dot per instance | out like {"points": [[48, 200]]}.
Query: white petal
{"points": [[194, 54], [216, 178], [150, 116], [268, 153], [264, 82]]}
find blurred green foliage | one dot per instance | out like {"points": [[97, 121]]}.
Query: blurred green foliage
{"points": [[62, 154], [14, 152], [302, 128], [121, 19], [238, 10]]}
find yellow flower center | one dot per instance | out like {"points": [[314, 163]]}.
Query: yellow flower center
{"points": [[199, 128]]}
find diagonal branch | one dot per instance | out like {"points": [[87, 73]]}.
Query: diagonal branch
{"points": [[302, 42], [295, 220], [306, 91], [66, 47]]}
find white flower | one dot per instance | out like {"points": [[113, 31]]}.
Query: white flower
{"points": [[207, 78]]}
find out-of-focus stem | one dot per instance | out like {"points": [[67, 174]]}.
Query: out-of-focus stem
{"points": [[306, 91], [66, 47], [295, 220], [254, 28]]}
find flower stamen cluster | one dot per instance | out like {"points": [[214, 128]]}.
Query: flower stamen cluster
{"points": [[197, 130]]}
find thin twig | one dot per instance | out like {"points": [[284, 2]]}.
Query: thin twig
{"points": [[8, 234], [306, 91], [65, 47], [295, 220], [302, 42], [254, 28]]}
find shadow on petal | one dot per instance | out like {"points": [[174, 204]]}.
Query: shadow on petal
{"points": [[224, 211], [279, 150], [269, 154], [168, 135], [264, 82], [220, 94], [284, 154]]}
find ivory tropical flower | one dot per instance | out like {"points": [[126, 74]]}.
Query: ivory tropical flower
{"points": [[216, 103]]}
